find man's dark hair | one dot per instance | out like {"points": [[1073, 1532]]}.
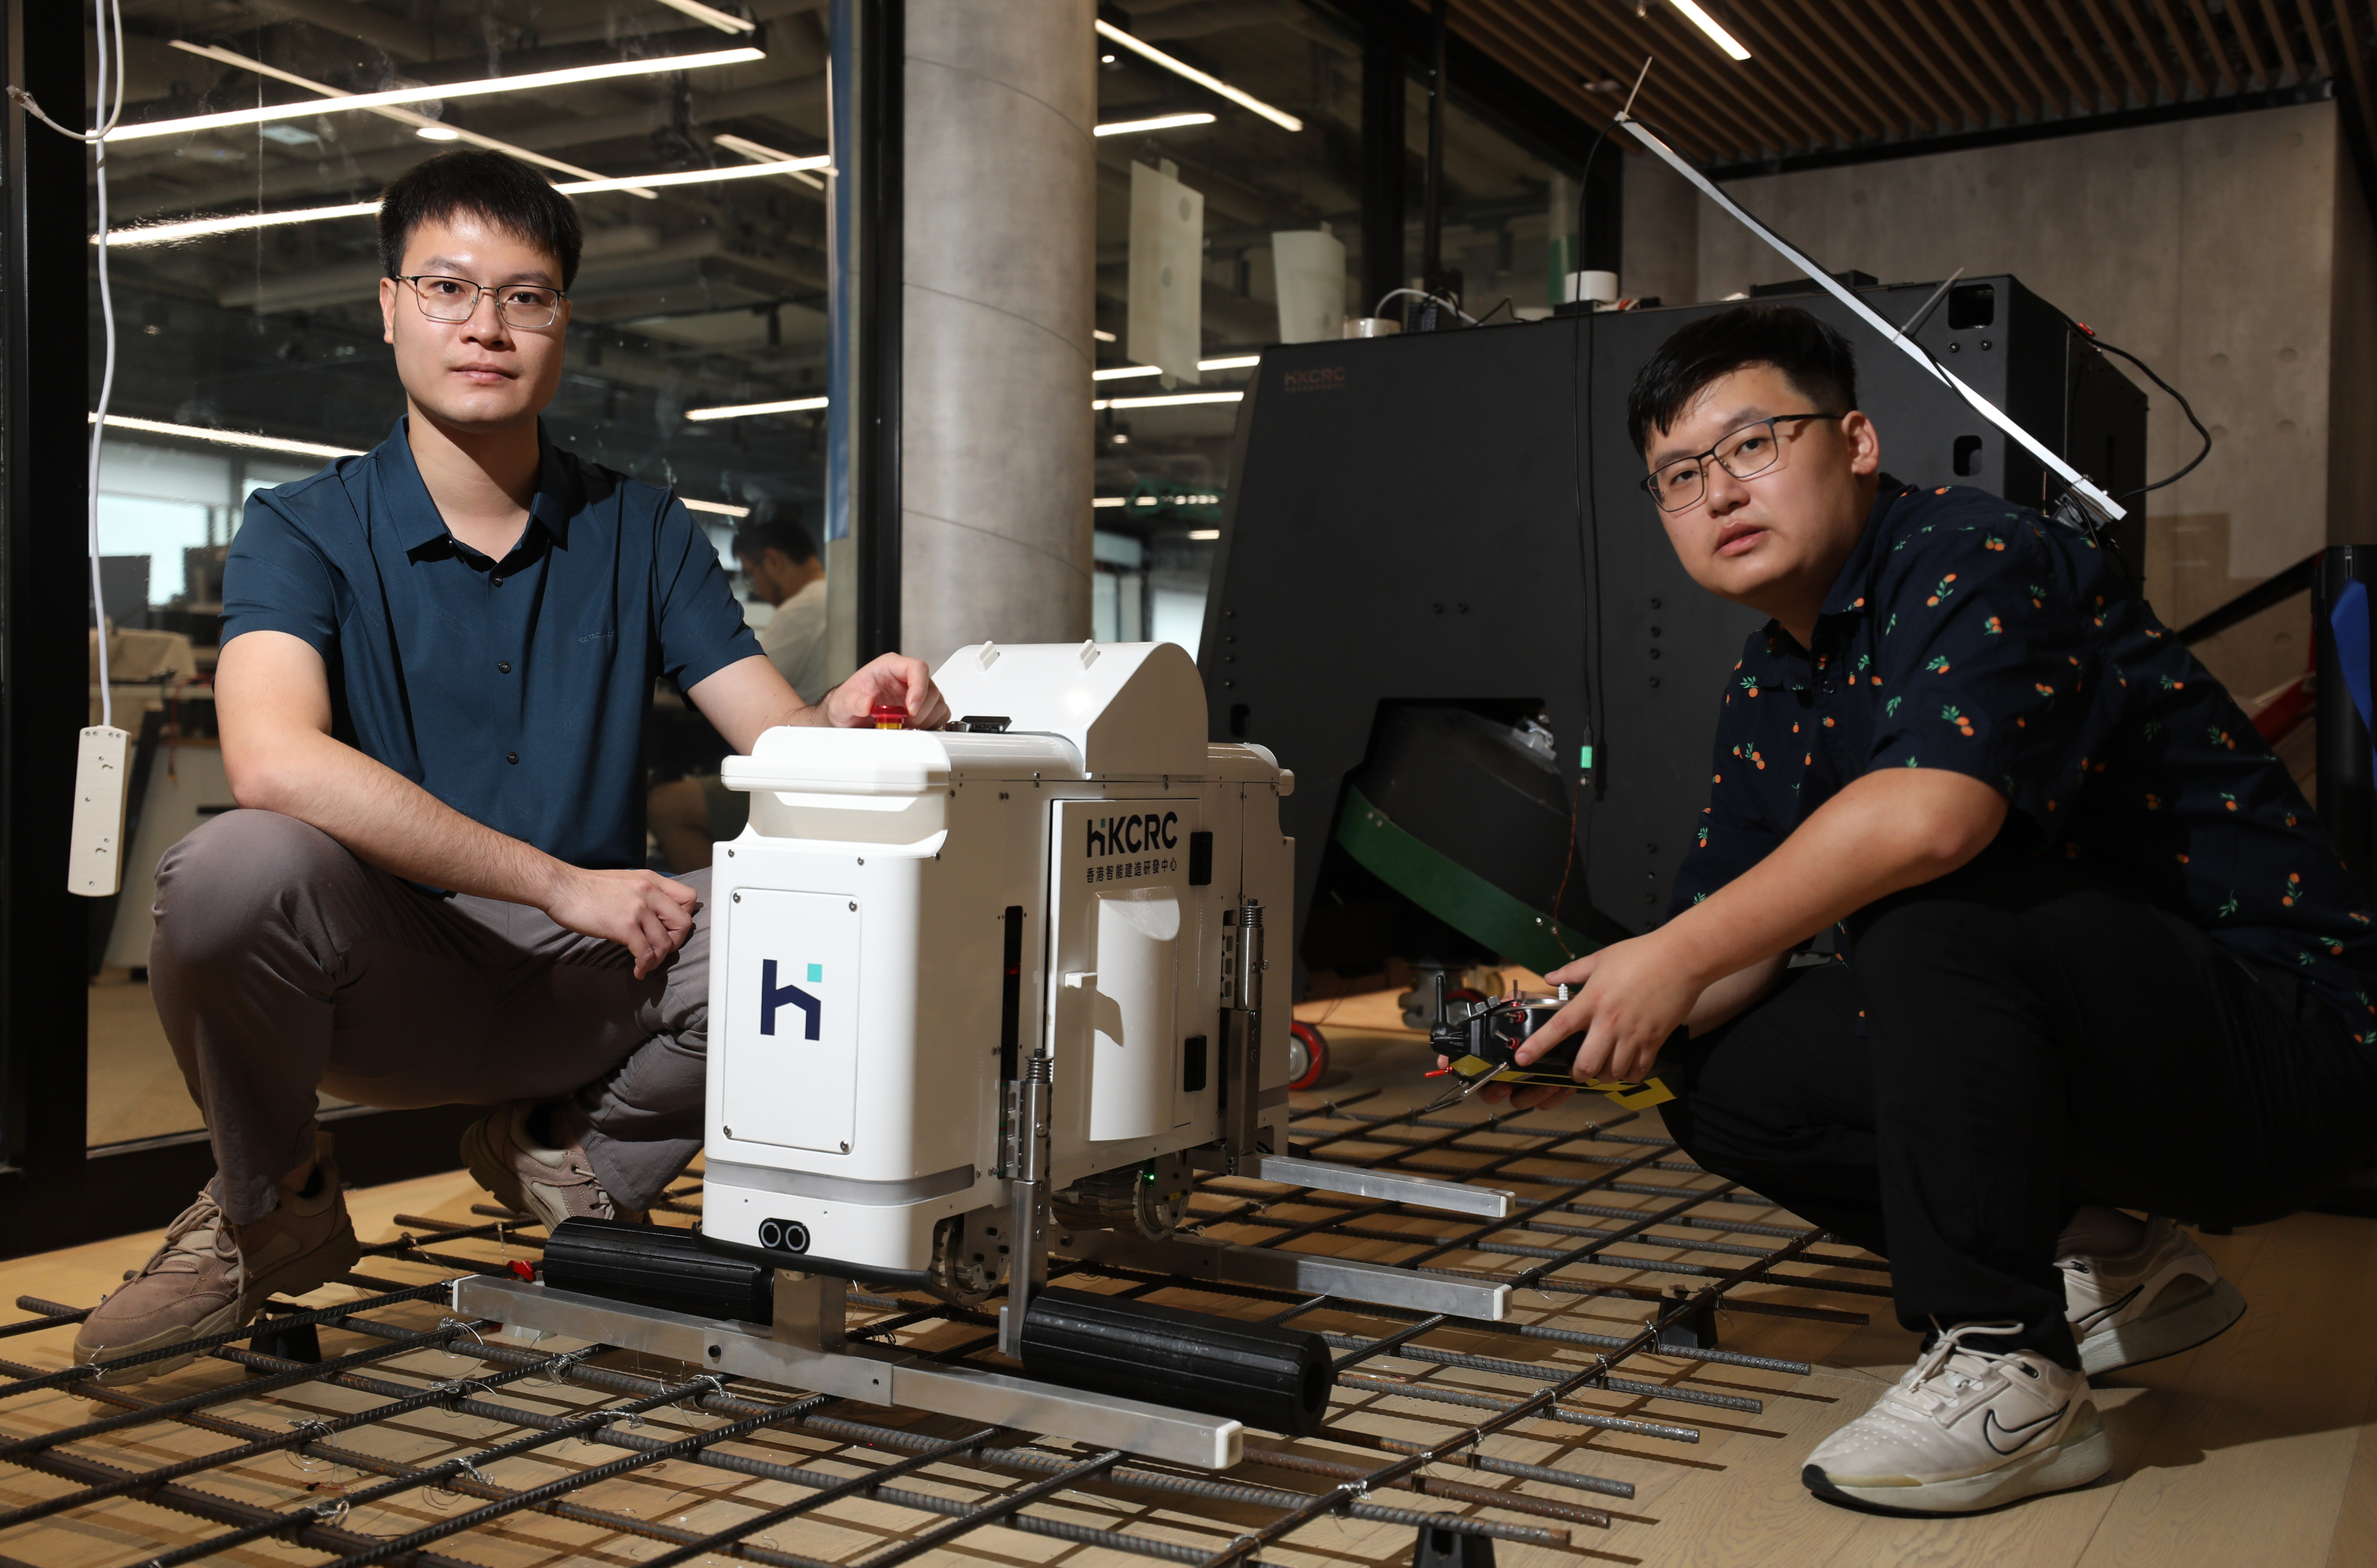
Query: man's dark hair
{"points": [[492, 186], [1813, 357], [775, 525]]}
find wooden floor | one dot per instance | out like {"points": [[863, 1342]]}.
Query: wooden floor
{"points": [[2258, 1449]]}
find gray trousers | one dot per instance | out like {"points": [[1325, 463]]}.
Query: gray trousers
{"points": [[282, 964]]}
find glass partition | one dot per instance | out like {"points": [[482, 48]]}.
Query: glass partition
{"points": [[245, 271], [1162, 453]]}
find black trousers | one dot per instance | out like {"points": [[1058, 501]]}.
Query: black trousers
{"points": [[2003, 1045]]}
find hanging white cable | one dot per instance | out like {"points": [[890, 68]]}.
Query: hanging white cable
{"points": [[1914, 351], [107, 15], [98, 139]]}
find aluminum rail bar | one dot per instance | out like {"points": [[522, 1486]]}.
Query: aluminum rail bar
{"points": [[1423, 1192], [1866, 313], [869, 1372], [1304, 1273]]}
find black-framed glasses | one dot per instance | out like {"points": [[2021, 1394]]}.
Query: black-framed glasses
{"points": [[1747, 452], [525, 305]]}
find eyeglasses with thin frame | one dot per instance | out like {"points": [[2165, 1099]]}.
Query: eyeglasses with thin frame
{"points": [[1744, 453], [525, 305]]}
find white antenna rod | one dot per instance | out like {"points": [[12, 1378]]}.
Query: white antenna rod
{"points": [[1987, 410]]}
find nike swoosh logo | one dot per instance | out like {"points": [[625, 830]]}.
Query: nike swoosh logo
{"points": [[2090, 1320], [1991, 1429]]}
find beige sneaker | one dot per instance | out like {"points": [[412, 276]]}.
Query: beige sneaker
{"points": [[212, 1276], [554, 1184]]}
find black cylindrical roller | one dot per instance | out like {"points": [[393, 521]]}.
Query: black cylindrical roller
{"points": [[656, 1266], [1276, 1379]]}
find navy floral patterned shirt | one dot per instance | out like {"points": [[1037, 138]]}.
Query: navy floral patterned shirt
{"points": [[1970, 633]]}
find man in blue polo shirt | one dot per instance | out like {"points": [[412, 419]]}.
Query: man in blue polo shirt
{"points": [[437, 666], [2101, 957]]}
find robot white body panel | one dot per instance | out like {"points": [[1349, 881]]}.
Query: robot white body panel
{"points": [[864, 1021]]}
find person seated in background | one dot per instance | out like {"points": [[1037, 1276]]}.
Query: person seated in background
{"points": [[780, 561], [435, 681], [2101, 956], [779, 558]]}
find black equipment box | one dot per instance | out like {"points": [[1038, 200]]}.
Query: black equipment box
{"points": [[1453, 520]]}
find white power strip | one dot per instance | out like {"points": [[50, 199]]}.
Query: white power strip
{"points": [[95, 856]]}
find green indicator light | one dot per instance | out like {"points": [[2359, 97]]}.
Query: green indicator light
{"points": [[1585, 756]]}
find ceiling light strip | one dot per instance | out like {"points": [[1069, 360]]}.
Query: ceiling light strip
{"points": [[1160, 122], [1707, 24], [1168, 401], [761, 152], [253, 441], [230, 437], [1131, 371], [197, 227], [745, 411], [723, 21], [401, 116], [696, 177], [533, 81], [1188, 72]]}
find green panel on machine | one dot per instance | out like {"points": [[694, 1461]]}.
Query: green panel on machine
{"points": [[1453, 893]]}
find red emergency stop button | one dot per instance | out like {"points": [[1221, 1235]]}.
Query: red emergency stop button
{"points": [[888, 716]]}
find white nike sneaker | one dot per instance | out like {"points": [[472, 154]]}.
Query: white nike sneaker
{"points": [[2164, 1297], [1965, 1428]]}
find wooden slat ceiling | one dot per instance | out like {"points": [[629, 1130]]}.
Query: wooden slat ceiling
{"points": [[1839, 77]]}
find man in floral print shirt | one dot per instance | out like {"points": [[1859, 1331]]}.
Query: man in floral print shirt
{"points": [[2100, 954]]}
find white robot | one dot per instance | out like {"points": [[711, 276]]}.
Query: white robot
{"points": [[979, 995]]}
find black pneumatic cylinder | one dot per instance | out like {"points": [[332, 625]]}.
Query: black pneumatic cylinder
{"points": [[657, 1265], [1274, 1379]]}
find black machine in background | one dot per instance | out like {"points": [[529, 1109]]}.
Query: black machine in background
{"points": [[1443, 599]]}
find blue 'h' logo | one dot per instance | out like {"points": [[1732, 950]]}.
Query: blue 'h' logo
{"points": [[772, 997]]}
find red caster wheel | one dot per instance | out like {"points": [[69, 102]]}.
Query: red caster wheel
{"points": [[1307, 1055]]}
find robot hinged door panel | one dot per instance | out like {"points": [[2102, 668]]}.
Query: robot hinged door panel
{"points": [[1130, 936], [791, 1020]]}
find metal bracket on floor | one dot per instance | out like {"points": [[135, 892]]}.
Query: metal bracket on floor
{"points": [[1692, 1329], [873, 1374]]}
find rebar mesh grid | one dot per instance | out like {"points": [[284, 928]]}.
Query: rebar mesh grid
{"points": [[420, 1438]]}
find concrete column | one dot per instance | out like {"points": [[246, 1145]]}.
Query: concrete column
{"points": [[995, 428]]}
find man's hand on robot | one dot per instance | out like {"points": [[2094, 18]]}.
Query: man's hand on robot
{"points": [[641, 911], [894, 680], [1630, 997]]}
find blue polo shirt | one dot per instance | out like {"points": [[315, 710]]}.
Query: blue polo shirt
{"points": [[516, 691]]}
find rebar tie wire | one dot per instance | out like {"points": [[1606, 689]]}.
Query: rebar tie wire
{"points": [[1545, 1398], [88, 1370], [551, 1490], [309, 1432], [431, 1476], [249, 1389], [818, 1498]]}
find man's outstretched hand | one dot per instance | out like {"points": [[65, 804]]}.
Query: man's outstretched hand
{"points": [[641, 911], [894, 678], [1631, 997]]}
